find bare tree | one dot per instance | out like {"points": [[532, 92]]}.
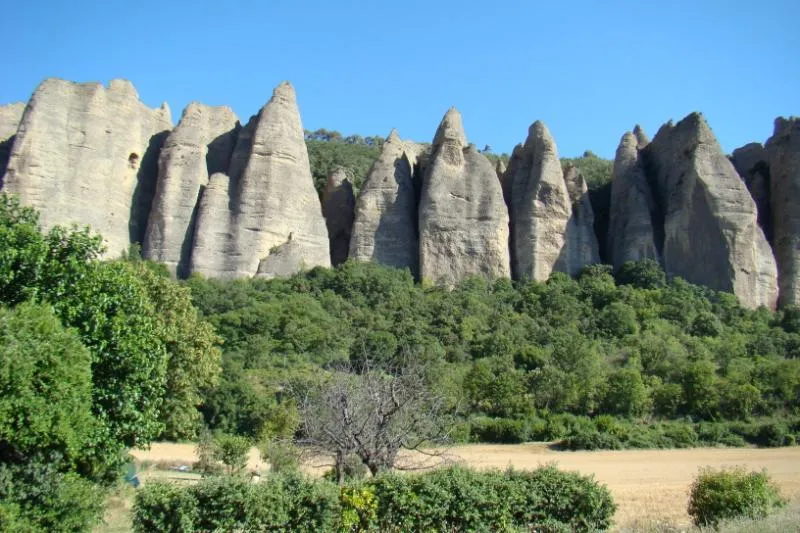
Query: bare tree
{"points": [[371, 413]]}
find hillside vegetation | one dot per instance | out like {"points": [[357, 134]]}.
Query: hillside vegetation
{"points": [[596, 362]]}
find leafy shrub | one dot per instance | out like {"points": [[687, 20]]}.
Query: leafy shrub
{"points": [[451, 499], [233, 451], [732, 493], [164, 507], [499, 430]]}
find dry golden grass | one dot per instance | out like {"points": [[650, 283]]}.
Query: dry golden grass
{"points": [[648, 485]]}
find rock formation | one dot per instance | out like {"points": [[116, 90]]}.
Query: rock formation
{"points": [[710, 229], [546, 234], [750, 161], [199, 146], [631, 235], [10, 115], [385, 226], [87, 154], [338, 208], [582, 247], [271, 200], [783, 150], [463, 221]]}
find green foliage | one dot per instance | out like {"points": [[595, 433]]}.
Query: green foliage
{"points": [[510, 356], [136, 324], [732, 493], [451, 499], [37, 497], [164, 507], [224, 503], [281, 454], [232, 451], [45, 388], [325, 156]]}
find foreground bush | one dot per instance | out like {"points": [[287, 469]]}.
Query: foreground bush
{"points": [[452, 499], [733, 493]]}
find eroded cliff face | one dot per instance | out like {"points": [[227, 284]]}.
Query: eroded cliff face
{"points": [[228, 201], [783, 153], [87, 154], [711, 235], [385, 226], [200, 145], [10, 116], [272, 201], [551, 229], [463, 222]]}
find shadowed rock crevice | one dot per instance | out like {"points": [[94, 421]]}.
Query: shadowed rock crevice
{"points": [[145, 190], [701, 217]]}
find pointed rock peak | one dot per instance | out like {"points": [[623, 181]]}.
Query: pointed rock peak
{"points": [[628, 142], [538, 130], [500, 167], [284, 92], [450, 129], [122, 86], [642, 139], [393, 137]]}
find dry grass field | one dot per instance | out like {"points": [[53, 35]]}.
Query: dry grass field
{"points": [[648, 485]]}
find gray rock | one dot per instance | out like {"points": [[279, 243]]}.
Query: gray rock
{"points": [[751, 162], [631, 234], [783, 150], [10, 115], [200, 145], [711, 234], [271, 196], [642, 139], [87, 154], [338, 208], [283, 260], [541, 208], [500, 168], [385, 226], [463, 221], [582, 247], [213, 244]]}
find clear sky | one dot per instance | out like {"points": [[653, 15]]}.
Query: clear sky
{"points": [[589, 69]]}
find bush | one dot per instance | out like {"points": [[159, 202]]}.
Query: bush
{"points": [[732, 493], [164, 507], [499, 430], [451, 499]]}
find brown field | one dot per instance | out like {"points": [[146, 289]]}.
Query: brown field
{"points": [[648, 485]]}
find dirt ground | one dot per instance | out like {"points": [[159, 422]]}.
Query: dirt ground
{"points": [[648, 485]]}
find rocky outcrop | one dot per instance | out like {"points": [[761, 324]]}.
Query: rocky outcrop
{"points": [[631, 235], [750, 161], [338, 208], [783, 152], [200, 145], [385, 225], [711, 234], [546, 234], [582, 248], [10, 115], [87, 154], [463, 221], [271, 200]]}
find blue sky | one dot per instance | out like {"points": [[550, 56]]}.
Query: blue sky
{"points": [[589, 69]]}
